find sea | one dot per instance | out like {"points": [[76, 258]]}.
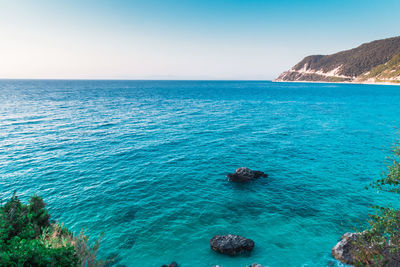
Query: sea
{"points": [[144, 163]]}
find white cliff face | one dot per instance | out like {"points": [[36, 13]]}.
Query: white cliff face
{"points": [[387, 73], [305, 70], [333, 73], [302, 70]]}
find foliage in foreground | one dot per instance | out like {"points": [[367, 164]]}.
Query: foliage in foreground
{"points": [[380, 243], [28, 239]]}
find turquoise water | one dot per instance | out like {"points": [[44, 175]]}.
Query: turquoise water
{"points": [[145, 163]]}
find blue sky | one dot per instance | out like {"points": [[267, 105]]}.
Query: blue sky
{"points": [[174, 39]]}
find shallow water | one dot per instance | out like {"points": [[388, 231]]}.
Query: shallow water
{"points": [[145, 163]]}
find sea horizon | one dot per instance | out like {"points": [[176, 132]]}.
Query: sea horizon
{"points": [[200, 80]]}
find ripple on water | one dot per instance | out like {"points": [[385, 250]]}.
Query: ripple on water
{"points": [[145, 162]]}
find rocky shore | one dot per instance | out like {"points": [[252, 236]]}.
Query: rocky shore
{"points": [[362, 247], [346, 249]]}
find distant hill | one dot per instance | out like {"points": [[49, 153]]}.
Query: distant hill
{"points": [[374, 62]]}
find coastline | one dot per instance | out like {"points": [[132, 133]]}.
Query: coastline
{"points": [[367, 83]]}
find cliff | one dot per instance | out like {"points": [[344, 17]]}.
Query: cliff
{"points": [[374, 62]]}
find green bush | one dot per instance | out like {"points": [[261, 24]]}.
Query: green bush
{"points": [[28, 239]]}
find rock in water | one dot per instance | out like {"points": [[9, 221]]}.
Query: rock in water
{"points": [[231, 244], [172, 264], [346, 249], [244, 174]]}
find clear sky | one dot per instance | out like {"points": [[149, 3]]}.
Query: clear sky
{"points": [[171, 39]]}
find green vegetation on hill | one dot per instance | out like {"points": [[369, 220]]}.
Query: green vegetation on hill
{"points": [[355, 61], [27, 238], [387, 71], [380, 242], [377, 61]]}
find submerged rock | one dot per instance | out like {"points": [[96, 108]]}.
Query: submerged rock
{"points": [[253, 265], [172, 264], [244, 174], [231, 244]]}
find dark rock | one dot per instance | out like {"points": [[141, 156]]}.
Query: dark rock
{"points": [[255, 265], [113, 259], [172, 264], [231, 244], [244, 174]]}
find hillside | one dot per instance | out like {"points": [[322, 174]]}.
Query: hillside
{"points": [[374, 62]]}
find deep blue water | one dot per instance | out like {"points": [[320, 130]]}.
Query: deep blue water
{"points": [[145, 163]]}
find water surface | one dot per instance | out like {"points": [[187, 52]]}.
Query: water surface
{"points": [[145, 163]]}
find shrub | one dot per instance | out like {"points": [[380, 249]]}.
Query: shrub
{"points": [[28, 239], [380, 245]]}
